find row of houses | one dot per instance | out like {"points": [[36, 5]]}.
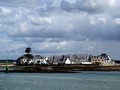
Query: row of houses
{"points": [[102, 59]]}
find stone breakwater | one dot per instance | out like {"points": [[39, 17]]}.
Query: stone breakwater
{"points": [[59, 68]]}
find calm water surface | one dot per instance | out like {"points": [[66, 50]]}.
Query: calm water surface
{"points": [[60, 81]]}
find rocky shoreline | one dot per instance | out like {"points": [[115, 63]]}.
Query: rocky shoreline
{"points": [[58, 68]]}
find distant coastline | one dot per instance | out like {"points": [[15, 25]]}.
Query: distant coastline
{"points": [[60, 63]]}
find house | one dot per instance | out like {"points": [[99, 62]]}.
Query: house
{"points": [[85, 61], [80, 59], [74, 59], [67, 61], [40, 59], [57, 59], [102, 59], [25, 59]]}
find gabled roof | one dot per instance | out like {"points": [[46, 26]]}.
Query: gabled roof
{"points": [[38, 57]]}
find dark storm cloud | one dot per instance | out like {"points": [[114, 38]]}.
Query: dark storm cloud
{"points": [[78, 6], [82, 6]]}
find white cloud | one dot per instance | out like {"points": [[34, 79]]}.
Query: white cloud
{"points": [[24, 27], [93, 4], [40, 20], [92, 20], [117, 21], [112, 2], [98, 19], [71, 1], [5, 11]]}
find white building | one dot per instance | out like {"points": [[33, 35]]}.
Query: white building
{"points": [[40, 59], [86, 62], [67, 61]]}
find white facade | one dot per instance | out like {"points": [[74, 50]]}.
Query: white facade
{"points": [[67, 61], [86, 62], [41, 60], [30, 62], [24, 60]]}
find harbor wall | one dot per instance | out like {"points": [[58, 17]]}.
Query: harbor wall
{"points": [[59, 68]]}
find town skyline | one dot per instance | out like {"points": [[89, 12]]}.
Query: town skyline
{"points": [[56, 27]]}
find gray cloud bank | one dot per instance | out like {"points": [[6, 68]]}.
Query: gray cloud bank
{"points": [[60, 26]]}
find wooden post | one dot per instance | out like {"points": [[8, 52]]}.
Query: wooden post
{"points": [[7, 66]]}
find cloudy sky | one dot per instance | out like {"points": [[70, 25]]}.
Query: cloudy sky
{"points": [[59, 27]]}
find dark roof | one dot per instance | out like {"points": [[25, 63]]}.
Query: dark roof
{"points": [[38, 57], [117, 61]]}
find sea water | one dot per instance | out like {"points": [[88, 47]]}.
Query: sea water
{"points": [[60, 81]]}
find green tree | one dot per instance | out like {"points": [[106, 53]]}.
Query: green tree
{"points": [[28, 50]]}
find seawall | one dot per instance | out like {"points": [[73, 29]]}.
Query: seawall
{"points": [[59, 68]]}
